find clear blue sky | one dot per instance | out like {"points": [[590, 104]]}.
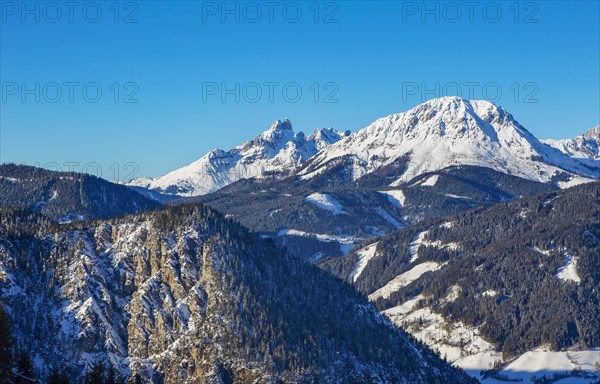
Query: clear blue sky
{"points": [[371, 59]]}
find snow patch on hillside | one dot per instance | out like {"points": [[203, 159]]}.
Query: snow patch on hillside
{"points": [[541, 362], [405, 279], [452, 294], [430, 181], [569, 271], [490, 293], [346, 243], [574, 181], [458, 342], [364, 256], [403, 308], [327, 202], [395, 196], [413, 247]]}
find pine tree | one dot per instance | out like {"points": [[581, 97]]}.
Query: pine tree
{"points": [[113, 376], [96, 374], [6, 343], [137, 379], [24, 370], [57, 377]]}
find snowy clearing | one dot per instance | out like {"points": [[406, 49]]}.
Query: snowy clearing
{"points": [[430, 181], [347, 243], [413, 247], [364, 256], [575, 180], [569, 271], [404, 279], [541, 362], [395, 196], [327, 202], [445, 337]]}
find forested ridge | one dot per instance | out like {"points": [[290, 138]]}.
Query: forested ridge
{"points": [[183, 293], [515, 251], [67, 196]]}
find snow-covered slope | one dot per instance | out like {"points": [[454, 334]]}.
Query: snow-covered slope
{"points": [[583, 147], [458, 284], [278, 150], [451, 131]]}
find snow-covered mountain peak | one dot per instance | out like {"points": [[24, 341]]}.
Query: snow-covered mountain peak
{"points": [[324, 137], [584, 147], [592, 133], [281, 125], [279, 131], [450, 117], [278, 150], [445, 132]]}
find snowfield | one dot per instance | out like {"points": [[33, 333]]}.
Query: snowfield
{"points": [[395, 196], [430, 181], [327, 202], [404, 279], [569, 271], [364, 256]]}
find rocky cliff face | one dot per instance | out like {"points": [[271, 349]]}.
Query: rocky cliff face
{"points": [[183, 295], [118, 291]]}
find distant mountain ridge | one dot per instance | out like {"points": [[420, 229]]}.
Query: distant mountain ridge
{"points": [[451, 131], [67, 196], [310, 208], [437, 134], [583, 147], [278, 151]]}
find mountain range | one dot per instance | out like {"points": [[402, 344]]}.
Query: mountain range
{"points": [[276, 151], [333, 257], [447, 132], [434, 135], [443, 156]]}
